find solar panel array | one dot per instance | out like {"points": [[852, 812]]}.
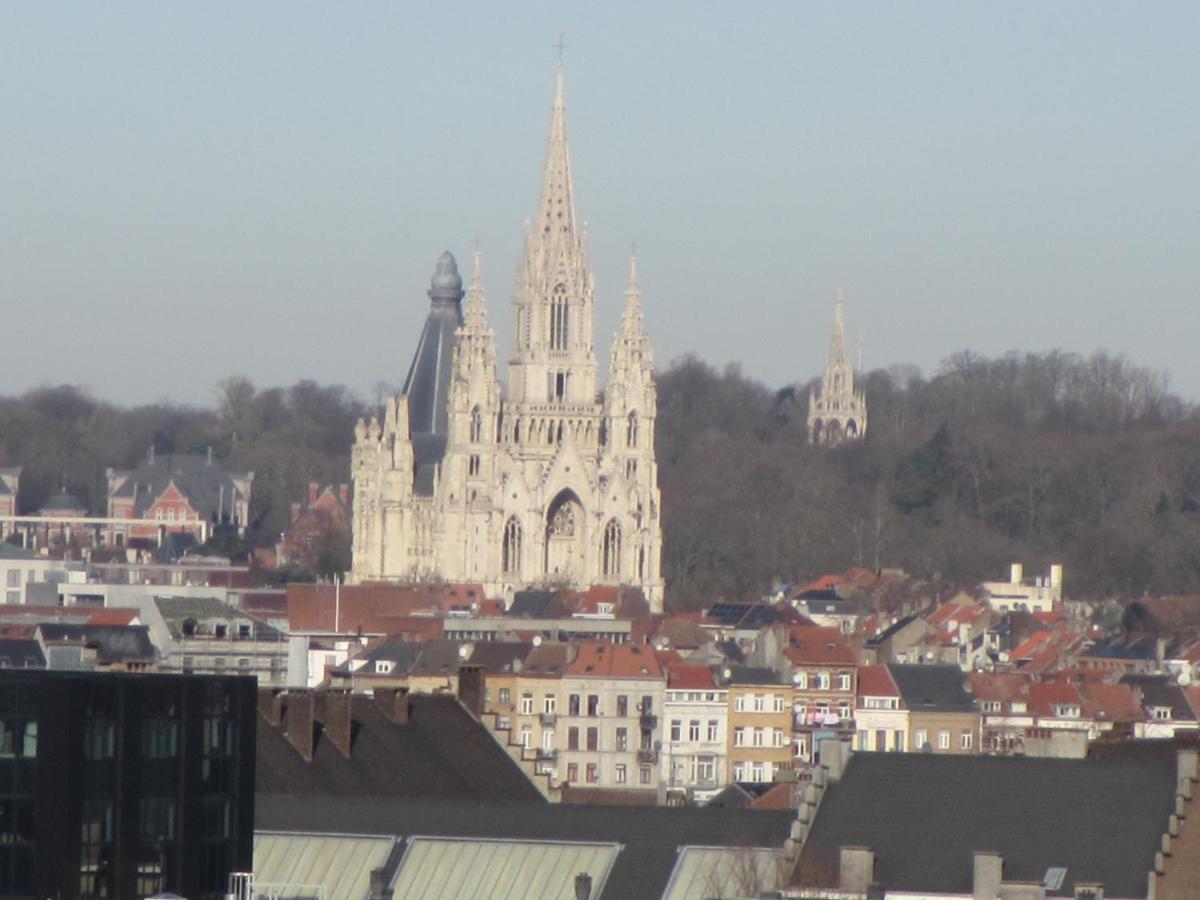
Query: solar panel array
{"points": [[743, 615]]}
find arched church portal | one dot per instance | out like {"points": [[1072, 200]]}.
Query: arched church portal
{"points": [[565, 539]]}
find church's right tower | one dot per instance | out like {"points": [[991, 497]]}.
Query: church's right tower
{"points": [[838, 411]]}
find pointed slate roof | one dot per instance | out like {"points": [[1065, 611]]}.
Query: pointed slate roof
{"points": [[428, 382]]}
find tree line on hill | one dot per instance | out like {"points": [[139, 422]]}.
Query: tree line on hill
{"points": [[1052, 457]]}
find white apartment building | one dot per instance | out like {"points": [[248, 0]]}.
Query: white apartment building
{"points": [[696, 714]]}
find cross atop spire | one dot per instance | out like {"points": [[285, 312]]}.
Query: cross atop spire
{"points": [[560, 46]]}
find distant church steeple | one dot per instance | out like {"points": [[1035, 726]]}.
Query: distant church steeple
{"points": [[838, 411]]}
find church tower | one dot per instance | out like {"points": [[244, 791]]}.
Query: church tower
{"points": [[837, 411], [554, 356], [554, 484]]}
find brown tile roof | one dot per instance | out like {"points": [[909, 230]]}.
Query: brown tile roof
{"points": [[600, 659], [815, 645]]}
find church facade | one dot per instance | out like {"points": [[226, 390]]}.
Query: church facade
{"points": [[547, 482], [837, 411]]}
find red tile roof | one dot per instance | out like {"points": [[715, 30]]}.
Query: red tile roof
{"points": [[876, 681], [1045, 695], [685, 677], [1111, 702]]}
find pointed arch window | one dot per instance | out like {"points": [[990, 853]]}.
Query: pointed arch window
{"points": [[631, 431], [559, 318], [511, 549], [476, 426], [612, 549]]}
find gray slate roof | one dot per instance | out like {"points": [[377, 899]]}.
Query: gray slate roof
{"points": [[199, 480], [21, 653], [114, 643], [651, 836], [932, 688], [925, 815], [428, 382]]}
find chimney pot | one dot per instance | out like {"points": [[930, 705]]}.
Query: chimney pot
{"points": [[313, 490]]}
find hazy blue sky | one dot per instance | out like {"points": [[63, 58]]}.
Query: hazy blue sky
{"points": [[192, 190]]}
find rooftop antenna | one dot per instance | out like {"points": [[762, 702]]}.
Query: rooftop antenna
{"points": [[560, 46], [860, 355]]}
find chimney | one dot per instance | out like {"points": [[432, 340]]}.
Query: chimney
{"points": [[989, 868], [344, 494], [210, 456], [1056, 575], [1017, 573], [856, 869], [270, 705], [393, 703], [470, 688], [1187, 765], [298, 721], [295, 511], [583, 886], [378, 889], [339, 720], [150, 455], [313, 490]]}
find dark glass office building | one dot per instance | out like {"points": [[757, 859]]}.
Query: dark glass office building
{"points": [[117, 785]]}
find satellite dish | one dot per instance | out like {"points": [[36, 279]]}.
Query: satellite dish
{"points": [[727, 673], [537, 640], [464, 651]]}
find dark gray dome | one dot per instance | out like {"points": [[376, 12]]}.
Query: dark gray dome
{"points": [[446, 283]]}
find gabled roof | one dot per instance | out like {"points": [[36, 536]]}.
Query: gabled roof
{"points": [[650, 837], [1102, 820], [208, 486], [441, 753]]}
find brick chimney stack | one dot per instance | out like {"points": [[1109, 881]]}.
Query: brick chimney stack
{"points": [[339, 721], [470, 688], [393, 703], [313, 490], [298, 718], [344, 494]]}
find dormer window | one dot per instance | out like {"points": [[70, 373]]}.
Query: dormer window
{"points": [[1160, 712], [384, 666]]}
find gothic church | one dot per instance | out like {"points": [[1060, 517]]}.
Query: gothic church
{"points": [[551, 482]]}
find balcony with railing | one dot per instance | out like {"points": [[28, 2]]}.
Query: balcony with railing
{"points": [[647, 755], [548, 719]]}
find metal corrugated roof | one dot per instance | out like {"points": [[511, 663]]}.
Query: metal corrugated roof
{"points": [[296, 863], [702, 872], [466, 869]]}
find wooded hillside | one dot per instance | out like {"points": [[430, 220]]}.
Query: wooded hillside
{"points": [[1039, 458]]}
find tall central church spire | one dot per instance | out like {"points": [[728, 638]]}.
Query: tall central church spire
{"points": [[554, 356]]}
